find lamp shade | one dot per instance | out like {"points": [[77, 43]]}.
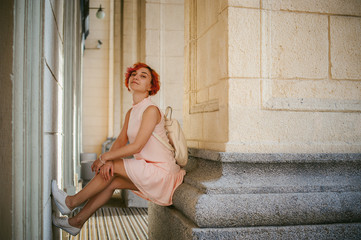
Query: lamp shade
{"points": [[100, 13]]}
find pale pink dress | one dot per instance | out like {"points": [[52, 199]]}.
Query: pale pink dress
{"points": [[153, 170]]}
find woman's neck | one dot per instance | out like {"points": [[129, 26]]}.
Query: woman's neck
{"points": [[138, 97]]}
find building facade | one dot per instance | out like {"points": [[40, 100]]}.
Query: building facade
{"points": [[268, 93]]}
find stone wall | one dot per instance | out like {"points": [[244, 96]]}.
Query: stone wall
{"points": [[163, 50], [95, 96], [153, 32], [273, 76], [206, 72], [130, 45]]}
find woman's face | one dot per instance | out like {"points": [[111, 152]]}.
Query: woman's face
{"points": [[140, 80]]}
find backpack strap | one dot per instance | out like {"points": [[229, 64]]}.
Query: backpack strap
{"points": [[167, 145], [167, 113]]}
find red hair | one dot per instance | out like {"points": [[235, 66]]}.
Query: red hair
{"points": [[155, 77]]}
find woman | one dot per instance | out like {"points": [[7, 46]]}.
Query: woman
{"points": [[152, 173]]}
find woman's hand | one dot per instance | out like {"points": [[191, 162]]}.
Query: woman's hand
{"points": [[107, 170], [97, 164]]}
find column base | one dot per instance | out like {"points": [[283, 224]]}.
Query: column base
{"points": [[169, 223], [263, 196]]}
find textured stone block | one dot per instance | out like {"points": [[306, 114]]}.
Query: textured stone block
{"points": [[154, 62], [174, 43], [219, 91], [196, 129], [349, 231], [215, 126], [263, 196], [207, 15], [244, 3], [152, 44], [271, 189], [152, 15], [244, 42], [294, 45], [212, 55], [173, 71], [349, 7], [336, 90], [202, 95], [132, 200], [274, 157], [244, 93], [345, 47], [264, 127], [283, 131], [173, 17], [320, 95], [173, 95], [169, 223]]}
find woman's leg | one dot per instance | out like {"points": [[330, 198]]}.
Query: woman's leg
{"points": [[98, 184], [97, 201], [119, 181]]}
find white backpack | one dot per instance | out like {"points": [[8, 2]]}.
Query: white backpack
{"points": [[178, 143]]}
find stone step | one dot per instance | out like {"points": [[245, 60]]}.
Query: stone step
{"points": [[253, 192], [169, 223], [243, 177], [273, 209]]}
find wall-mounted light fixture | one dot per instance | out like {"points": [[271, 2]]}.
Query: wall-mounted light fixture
{"points": [[100, 13], [98, 46]]}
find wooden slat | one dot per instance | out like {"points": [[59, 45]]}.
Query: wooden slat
{"points": [[115, 223], [109, 224], [137, 228], [140, 221], [127, 224], [102, 234]]}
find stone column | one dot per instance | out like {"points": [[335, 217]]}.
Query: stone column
{"points": [[272, 114]]}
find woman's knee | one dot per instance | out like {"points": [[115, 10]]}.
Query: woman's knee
{"points": [[115, 184]]}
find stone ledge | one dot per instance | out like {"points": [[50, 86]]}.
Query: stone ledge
{"points": [[168, 223], [213, 177], [265, 196], [238, 190], [274, 157], [351, 231], [245, 210]]}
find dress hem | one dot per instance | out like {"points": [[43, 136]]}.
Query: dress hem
{"points": [[142, 193]]}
